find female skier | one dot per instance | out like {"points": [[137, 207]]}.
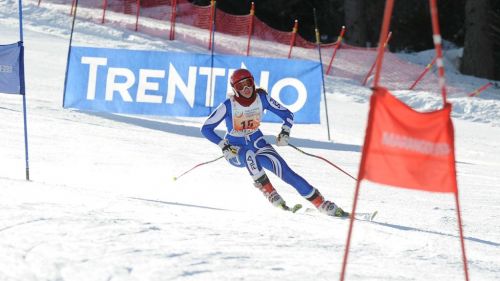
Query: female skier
{"points": [[244, 144]]}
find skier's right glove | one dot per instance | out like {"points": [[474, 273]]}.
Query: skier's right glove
{"points": [[283, 136], [229, 151]]}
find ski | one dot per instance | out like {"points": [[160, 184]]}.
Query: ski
{"points": [[360, 216], [365, 216], [293, 209]]}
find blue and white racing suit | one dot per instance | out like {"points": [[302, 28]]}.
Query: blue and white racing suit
{"points": [[255, 152]]}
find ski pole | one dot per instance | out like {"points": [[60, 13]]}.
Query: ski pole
{"points": [[319, 157], [198, 165]]}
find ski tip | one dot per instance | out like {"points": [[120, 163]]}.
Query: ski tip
{"points": [[296, 208], [293, 209], [373, 215], [174, 178]]}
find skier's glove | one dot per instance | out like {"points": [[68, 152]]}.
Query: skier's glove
{"points": [[283, 136], [229, 151]]}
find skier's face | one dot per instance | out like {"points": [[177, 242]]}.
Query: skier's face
{"points": [[244, 87]]}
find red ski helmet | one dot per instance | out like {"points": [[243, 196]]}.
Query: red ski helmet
{"points": [[240, 75]]}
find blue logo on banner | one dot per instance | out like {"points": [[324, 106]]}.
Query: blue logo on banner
{"points": [[179, 84]]}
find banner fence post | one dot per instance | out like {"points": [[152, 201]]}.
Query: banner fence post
{"points": [[250, 27], [294, 35], [421, 76], [337, 46], [72, 7], [478, 91], [138, 10], [379, 54], [172, 20], [212, 16], [104, 7]]}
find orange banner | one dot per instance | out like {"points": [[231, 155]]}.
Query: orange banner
{"points": [[406, 148]]}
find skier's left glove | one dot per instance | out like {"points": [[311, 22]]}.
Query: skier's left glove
{"points": [[283, 136], [229, 151]]}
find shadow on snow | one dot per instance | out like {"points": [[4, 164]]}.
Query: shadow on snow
{"points": [[407, 228], [192, 131]]}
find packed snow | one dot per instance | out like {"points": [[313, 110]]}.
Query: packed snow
{"points": [[102, 203]]}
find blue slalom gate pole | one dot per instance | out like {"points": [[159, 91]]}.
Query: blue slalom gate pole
{"points": [[23, 89], [316, 30], [69, 51], [212, 56]]}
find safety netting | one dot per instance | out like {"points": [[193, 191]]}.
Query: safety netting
{"points": [[248, 35]]}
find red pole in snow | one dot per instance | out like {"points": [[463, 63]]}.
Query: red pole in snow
{"points": [[436, 36], [478, 91], [461, 231], [339, 41], [294, 35], [137, 14], [104, 7], [250, 27], [427, 68], [377, 59], [172, 20]]}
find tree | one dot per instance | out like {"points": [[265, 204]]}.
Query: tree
{"points": [[355, 21], [477, 57], [495, 30]]}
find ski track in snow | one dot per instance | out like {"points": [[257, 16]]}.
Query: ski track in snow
{"points": [[102, 204]]}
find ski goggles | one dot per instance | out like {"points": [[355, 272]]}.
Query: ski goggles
{"points": [[240, 85]]}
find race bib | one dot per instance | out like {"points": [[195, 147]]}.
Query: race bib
{"points": [[246, 120]]}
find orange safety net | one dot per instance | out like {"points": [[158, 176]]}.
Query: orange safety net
{"points": [[350, 62], [231, 24]]}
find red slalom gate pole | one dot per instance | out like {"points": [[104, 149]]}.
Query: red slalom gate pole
{"points": [[294, 35], [104, 7], [137, 14], [375, 62], [436, 37], [461, 232], [339, 41], [250, 27], [389, 4], [421, 76], [478, 91], [172, 20]]}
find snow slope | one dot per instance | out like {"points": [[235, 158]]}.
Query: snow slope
{"points": [[102, 204]]}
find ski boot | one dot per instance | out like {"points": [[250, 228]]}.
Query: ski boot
{"points": [[264, 185], [331, 209], [326, 207]]}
